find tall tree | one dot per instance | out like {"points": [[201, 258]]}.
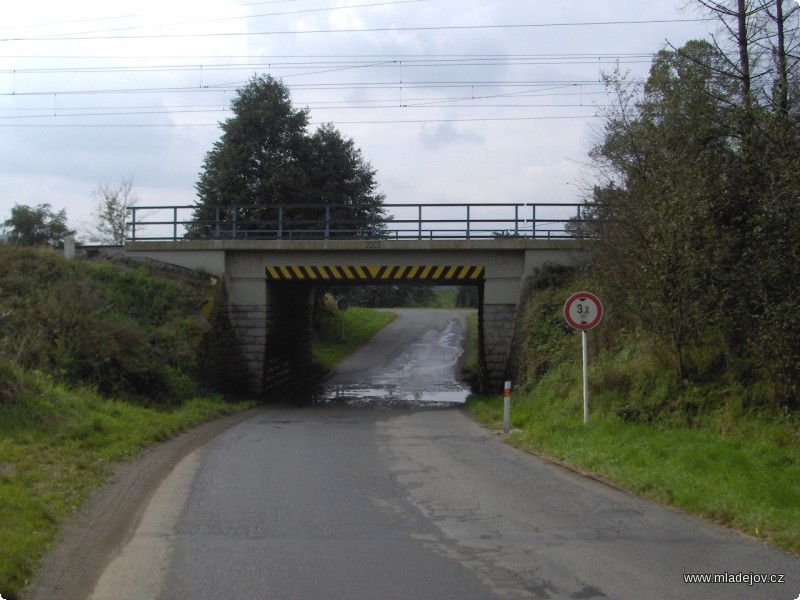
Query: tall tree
{"points": [[266, 158], [37, 226], [662, 155], [735, 17], [763, 35], [698, 185], [780, 44]]}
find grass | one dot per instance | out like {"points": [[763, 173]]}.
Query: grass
{"points": [[729, 474], [360, 324], [469, 364], [59, 446], [445, 296]]}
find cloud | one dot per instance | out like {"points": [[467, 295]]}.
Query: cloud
{"points": [[434, 136]]}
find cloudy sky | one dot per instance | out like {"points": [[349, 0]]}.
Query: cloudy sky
{"points": [[451, 101]]}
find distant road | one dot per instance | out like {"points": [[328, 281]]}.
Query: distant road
{"points": [[342, 501], [413, 361]]}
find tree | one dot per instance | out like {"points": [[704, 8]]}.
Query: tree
{"points": [[386, 296], [36, 226], [698, 182], [665, 158], [111, 215], [763, 44], [735, 17], [266, 158]]}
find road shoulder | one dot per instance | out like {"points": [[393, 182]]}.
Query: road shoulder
{"points": [[106, 523]]}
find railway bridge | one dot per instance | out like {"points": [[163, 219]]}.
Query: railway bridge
{"points": [[268, 277]]}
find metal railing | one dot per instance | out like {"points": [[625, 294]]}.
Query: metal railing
{"points": [[388, 221]]}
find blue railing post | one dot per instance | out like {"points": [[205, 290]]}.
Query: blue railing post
{"points": [[533, 221], [233, 222], [419, 221], [280, 222], [133, 223], [216, 223], [516, 219], [327, 222], [174, 223], [468, 224]]}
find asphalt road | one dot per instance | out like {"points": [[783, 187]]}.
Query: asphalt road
{"points": [[360, 500]]}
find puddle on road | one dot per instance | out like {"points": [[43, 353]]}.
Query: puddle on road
{"points": [[355, 394], [425, 374]]}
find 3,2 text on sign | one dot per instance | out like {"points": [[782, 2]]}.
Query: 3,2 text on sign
{"points": [[583, 311]]}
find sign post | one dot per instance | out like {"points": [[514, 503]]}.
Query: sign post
{"points": [[507, 407], [584, 311]]}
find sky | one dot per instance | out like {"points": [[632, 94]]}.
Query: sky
{"points": [[451, 101]]}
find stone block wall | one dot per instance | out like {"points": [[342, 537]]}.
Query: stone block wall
{"points": [[221, 366], [260, 348], [249, 324], [496, 327]]}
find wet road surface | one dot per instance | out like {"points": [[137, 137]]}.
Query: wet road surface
{"points": [[351, 500], [414, 361]]}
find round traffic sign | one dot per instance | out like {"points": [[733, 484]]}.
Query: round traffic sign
{"points": [[583, 311]]}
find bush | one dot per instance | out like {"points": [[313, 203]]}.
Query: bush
{"points": [[547, 340], [125, 332], [15, 385]]}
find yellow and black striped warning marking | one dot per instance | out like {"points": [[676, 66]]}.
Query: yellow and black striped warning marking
{"points": [[376, 273]]}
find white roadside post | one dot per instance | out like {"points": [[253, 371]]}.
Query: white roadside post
{"points": [[583, 311], [69, 247], [507, 407]]}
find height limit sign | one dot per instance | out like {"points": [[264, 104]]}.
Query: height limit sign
{"points": [[583, 311]]}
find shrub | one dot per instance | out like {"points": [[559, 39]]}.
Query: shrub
{"points": [[126, 332], [14, 384]]}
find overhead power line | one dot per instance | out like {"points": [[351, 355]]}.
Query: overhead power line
{"points": [[362, 57], [365, 62], [335, 122], [198, 22], [352, 30]]}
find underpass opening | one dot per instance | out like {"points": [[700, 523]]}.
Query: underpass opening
{"points": [[290, 293], [287, 342]]}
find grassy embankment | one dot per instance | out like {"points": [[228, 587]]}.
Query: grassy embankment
{"points": [[58, 445], [360, 324], [698, 448], [97, 362]]}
